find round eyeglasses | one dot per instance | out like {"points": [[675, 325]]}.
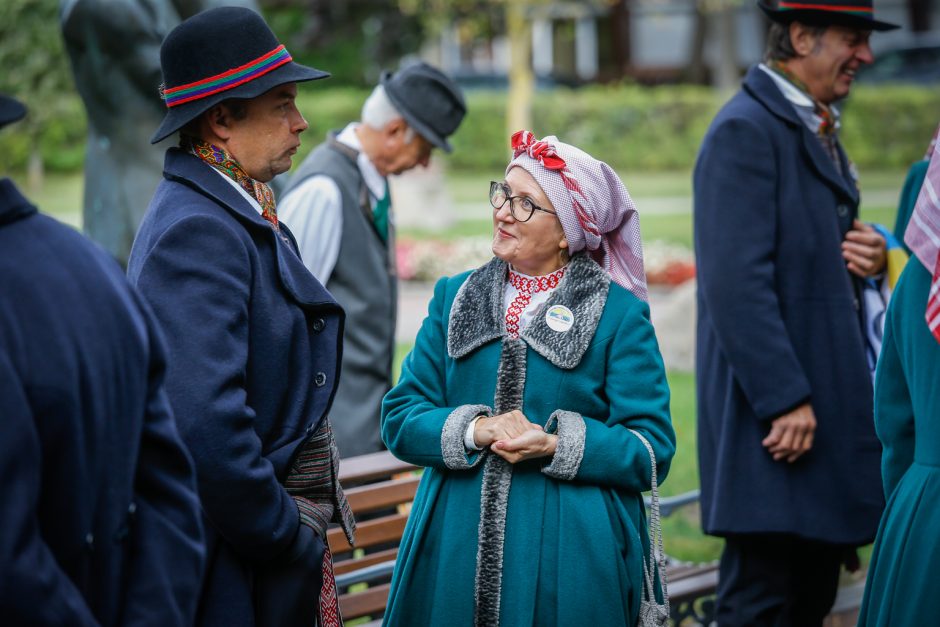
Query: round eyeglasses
{"points": [[520, 207]]}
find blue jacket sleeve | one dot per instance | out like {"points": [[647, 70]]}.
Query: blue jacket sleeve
{"points": [[197, 278], [736, 217], [166, 535], [33, 589]]}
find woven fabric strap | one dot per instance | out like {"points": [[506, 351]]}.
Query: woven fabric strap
{"points": [[221, 160], [320, 500], [526, 286], [651, 612]]}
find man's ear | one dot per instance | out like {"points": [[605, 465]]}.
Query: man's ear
{"points": [[396, 129], [219, 120], [802, 38]]}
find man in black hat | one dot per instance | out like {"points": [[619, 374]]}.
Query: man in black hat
{"points": [[98, 503], [789, 461], [338, 205], [254, 337]]}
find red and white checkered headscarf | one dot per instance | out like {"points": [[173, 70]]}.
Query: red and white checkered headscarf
{"points": [[923, 237], [594, 207]]}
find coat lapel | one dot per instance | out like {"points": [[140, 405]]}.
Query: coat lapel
{"points": [[186, 169], [476, 316], [763, 89]]}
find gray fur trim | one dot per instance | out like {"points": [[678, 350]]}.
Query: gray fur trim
{"points": [[583, 290], [476, 315], [494, 495], [455, 427], [570, 428]]}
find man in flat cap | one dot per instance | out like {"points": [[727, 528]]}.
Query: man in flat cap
{"points": [[338, 205], [788, 456], [254, 337], [98, 503]]}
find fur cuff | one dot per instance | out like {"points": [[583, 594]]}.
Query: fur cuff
{"points": [[570, 429], [455, 454]]}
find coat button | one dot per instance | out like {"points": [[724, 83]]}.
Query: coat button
{"points": [[842, 210], [318, 325], [89, 540], [320, 379], [132, 509]]}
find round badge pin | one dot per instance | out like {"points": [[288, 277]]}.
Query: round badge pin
{"points": [[559, 318]]}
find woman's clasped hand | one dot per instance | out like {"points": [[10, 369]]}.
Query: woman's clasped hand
{"points": [[513, 437]]}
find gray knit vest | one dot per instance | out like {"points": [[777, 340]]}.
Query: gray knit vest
{"points": [[364, 283]]}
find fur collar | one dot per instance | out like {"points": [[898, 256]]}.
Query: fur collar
{"points": [[477, 315]]}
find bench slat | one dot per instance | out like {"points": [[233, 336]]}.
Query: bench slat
{"points": [[348, 566], [369, 467], [368, 533], [368, 498], [364, 603]]}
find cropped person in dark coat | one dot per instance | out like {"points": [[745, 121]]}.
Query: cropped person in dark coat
{"points": [[788, 456], [98, 508], [255, 339]]}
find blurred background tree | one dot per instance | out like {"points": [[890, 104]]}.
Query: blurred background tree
{"points": [[36, 71]]}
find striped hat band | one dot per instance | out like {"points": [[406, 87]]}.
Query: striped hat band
{"points": [[227, 80]]}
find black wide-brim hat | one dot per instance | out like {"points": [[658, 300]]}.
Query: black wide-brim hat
{"points": [[11, 110], [429, 100], [222, 53], [858, 14]]}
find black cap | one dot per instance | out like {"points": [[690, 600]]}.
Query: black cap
{"points": [[11, 110], [227, 52], [429, 100]]}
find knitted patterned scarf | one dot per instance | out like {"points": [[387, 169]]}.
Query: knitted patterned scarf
{"points": [[224, 162]]}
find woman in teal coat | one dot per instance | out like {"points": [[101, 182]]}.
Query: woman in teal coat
{"points": [[532, 386], [902, 587]]}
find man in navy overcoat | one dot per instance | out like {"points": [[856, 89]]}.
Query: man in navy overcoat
{"points": [[255, 339], [788, 456], [99, 518]]}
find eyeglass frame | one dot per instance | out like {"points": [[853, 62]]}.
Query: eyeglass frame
{"points": [[494, 185]]}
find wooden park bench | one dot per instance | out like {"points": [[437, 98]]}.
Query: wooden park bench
{"points": [[380, 489]]}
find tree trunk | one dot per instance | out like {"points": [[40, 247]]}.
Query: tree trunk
{"points": [[727, 76], [696, 68], [918, 12], [521, 81], [35, 172], [620, 36]]}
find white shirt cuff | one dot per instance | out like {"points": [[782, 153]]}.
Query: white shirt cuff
{"points": [[468, 441]]}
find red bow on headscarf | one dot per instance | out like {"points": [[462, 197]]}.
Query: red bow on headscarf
{"points": [[524, 142]]}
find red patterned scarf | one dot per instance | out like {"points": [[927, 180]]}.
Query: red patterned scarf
{"points": [[526, 287], [221, 160]]}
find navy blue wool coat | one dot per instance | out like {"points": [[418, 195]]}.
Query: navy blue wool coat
{"points": [[255, 343], [778, 325], [99, 519]]}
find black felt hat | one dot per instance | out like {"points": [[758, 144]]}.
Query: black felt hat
{"points": [[429, 100], [11, 110], [858, 14], [227, 52]]}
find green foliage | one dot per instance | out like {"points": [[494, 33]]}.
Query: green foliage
{"points": [[632, 128], [36, 71]]}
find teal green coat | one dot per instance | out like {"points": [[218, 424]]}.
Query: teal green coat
{"points": [[556, 541], [902, 588]]}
